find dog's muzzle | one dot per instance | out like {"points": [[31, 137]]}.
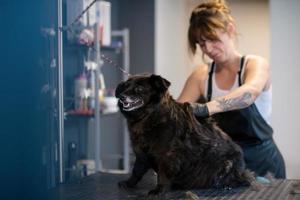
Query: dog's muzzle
{"points": [[130, 103]]}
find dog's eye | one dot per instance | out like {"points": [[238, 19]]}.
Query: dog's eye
{"points": [[139, 89]]}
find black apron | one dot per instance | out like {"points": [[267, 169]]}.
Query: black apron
{"points": [[249, 129]]}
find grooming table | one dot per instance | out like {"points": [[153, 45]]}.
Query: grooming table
{"points": [[102, 186]]}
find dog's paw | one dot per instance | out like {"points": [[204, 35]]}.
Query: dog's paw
{"points": [[154, 192], [159, 190], [126, 184]]}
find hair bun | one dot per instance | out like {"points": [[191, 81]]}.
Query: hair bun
{"points": [[214, 6]]}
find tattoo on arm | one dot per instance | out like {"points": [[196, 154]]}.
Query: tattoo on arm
{"points": [[235, 103]]}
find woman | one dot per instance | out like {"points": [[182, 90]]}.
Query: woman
{"points": [[237, 88]]}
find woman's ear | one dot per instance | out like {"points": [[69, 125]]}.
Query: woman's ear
{"points": [[231, 30]]}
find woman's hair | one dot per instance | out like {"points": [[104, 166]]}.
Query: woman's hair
{"points": [[205, 19]]}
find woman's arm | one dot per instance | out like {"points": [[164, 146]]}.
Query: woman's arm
{"points": [[256, 77]]}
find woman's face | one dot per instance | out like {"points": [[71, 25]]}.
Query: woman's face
{"points": [[218, 50]]}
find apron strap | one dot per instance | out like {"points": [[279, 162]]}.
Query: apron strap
{"points": [[241, 69], [209, 87]]}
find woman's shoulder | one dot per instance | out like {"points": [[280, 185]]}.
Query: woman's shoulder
{"points": [[256, 60], [200, 72], [194, 85]]}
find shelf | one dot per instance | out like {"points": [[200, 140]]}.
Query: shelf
{"points": [[83, 113], [86, 125], [88, 113]]}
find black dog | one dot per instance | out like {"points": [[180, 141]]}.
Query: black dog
{"points": [[166, 137]]}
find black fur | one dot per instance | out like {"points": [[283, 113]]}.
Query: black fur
{"points": [[166, 136]]}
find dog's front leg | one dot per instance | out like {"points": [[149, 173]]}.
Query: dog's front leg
{"points": [[141, 166], [163, 183]]}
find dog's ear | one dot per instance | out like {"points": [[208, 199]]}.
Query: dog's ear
{"points": [[159, 82]]}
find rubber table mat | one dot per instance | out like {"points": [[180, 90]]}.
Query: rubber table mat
{"points": [[104, 186]]}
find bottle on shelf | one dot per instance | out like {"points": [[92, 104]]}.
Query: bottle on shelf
{"points": [[81, 95], [91, 85]]}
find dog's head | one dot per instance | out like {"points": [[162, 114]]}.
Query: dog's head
{"points": [[141, 91]]}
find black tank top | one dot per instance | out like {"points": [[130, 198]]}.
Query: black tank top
{"points": [[245, 126]]}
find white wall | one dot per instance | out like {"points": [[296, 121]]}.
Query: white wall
{"points": [[285, 29], [253, 19], [171, 57]]}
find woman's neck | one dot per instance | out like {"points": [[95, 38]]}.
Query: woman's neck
{"points": [[232, 63]]}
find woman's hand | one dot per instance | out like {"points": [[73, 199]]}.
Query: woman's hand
{"points": [[200, 110]]}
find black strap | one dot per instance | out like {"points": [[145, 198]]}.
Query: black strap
{"points": [[241, 69], [209, 87]]}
